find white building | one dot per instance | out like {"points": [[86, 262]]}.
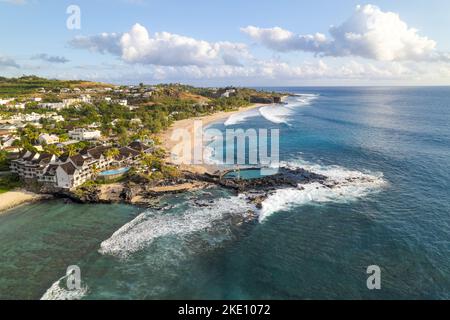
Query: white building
{"points": [[73, 101], [122, 102], [19, 106], [5, 101], [48, 138], [57, 118], [53, 105], [31, 117], [9, 128], [70, 172], [82, 134]]}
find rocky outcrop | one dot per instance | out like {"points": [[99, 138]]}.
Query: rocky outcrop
{"points": [[145, 193], [285, 178]]}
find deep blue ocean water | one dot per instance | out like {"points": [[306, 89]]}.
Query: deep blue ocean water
{"points": [[311, 244]]}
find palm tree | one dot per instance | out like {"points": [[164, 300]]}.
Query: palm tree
{"points": [[31, 133], [112, 153], [19, 144], [63, 137], [95, 170], [52, 149], [71, 150]]}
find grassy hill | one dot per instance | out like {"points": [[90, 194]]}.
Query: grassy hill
{"points": [[13, 87]]}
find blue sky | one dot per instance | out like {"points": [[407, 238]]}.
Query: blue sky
{"points": [[230, 42]]}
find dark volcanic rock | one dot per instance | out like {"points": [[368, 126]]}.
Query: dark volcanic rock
{"points": [[285, 178]]}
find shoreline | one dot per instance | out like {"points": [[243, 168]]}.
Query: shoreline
{"points": [[15, 198], [188, 125], [12, 199]]}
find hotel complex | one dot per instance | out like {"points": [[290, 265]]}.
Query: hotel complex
{"points": [[67, 172]]}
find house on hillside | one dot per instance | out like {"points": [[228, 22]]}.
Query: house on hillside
{"points": [[82, 134], [46, 138]]}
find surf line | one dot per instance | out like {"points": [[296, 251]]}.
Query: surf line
{"points": [[190, 310]]}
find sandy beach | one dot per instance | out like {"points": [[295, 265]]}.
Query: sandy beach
{"points": [[188, 125], [11, 199]]}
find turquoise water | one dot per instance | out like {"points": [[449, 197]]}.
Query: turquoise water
{"points": [[244, 174], [113, 172], [393, 144]]}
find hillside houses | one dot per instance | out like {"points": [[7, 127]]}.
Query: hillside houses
{"points": [[35, 117], [67, 172], [65, 103]]}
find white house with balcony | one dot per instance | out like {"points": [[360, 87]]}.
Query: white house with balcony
{"points": [[83, 134]]}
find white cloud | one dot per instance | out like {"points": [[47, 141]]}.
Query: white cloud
{"points": [[163, 48], [48, 58], [17, 2], [330, 71], [8, 62], [283, 40], [368, 33], [103, 43]]}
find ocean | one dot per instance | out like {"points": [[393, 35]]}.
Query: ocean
{"points": [[388, 149]]}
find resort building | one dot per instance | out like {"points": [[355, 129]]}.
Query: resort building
{"points": [[31, 165], [67, 172]]}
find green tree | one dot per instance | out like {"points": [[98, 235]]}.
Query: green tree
{"points": [[112, 153], [71, 150], [52, 149]]}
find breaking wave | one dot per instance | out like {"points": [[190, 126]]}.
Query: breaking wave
{"points": [[58, 292], [281, 113], [341, 185], [241, 117], [148, 226], [276, 113]]}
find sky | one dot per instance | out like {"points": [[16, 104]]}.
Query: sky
{"points": [[232, 42]]}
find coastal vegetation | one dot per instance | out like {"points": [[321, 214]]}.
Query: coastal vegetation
{"points": [[4, 160], [9, 182]]}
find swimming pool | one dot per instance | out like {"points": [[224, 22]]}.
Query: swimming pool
{"points": [[114, 172], [246, 174]]}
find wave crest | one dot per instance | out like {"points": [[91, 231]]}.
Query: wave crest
{"points": [[341, 185], [148, 226], [58, 292], [275, 113]]}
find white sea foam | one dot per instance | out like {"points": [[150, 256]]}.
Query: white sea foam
{"points": [[58, 292], [148, 226], [281, 113], [240, 117], [275, 113], [342, 185]]}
